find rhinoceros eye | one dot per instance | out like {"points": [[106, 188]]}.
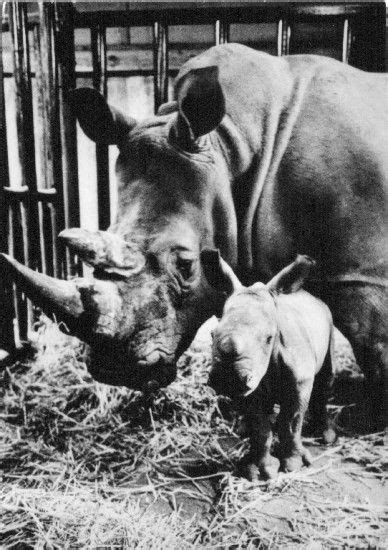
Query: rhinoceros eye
{"points": [[185, 267]]}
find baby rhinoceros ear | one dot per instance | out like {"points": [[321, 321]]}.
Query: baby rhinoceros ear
{"points": [[292, 278]]}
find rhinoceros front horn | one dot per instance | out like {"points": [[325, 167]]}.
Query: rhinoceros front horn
{"points": [[103, 249], [54, 296]]}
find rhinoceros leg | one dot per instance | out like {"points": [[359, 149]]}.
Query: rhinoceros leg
{"points": [[361, 313], [295, 396], [259, 462], [320, 423]]}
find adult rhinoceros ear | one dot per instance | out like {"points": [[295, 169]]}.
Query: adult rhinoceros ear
{"points": [[201, 105], [100, 122], [291, 278], [218, 273]]}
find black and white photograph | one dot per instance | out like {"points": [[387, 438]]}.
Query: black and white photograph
{"points": [[193, 275]]}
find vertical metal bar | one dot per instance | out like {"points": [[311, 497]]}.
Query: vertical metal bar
{"points": [[65, 53], [346, 40], [279, 37], [15, 294], [41, 238], [160, 64], [54, 232], [283, 37], [98, 46], [23, 210], [221, 31], [18, 246], [6, 314], [4, 174]]}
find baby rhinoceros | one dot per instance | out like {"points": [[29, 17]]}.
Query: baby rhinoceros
{"points": [[273, 345]]}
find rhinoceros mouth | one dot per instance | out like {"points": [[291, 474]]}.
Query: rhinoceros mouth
{"points": [[137, 375], [225, 381]]}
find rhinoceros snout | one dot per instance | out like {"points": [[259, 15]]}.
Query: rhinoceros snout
{"points": [[225, 382], [138, 374], [231, 380]]}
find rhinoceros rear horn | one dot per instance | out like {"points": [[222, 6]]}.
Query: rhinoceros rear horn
{"points": [[102, 249], [201, 105], [100, 122], [52, 295]]}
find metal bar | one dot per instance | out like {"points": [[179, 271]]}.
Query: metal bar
{"points": [[18, 248], [4, 173], [48, 201], [24, 211], [98, 46], [47, 241], [54, 232], [180, 13], [283, 37], [346, 40], [110, 73], [65, 54], [6, 298], [160, 64], [42, 239], [15, 293], [17, 192], [221, 31]]}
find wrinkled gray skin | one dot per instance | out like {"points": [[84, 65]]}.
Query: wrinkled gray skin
{"points": [[261, 157], [271, 343]]}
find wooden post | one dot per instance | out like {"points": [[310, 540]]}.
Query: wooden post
{"points": [[65, 55], [98, 46], [160, 64], [7, 340], [51, 154], [28, 251]]}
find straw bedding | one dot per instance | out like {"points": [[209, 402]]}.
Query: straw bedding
{"points": [[84, 465]]}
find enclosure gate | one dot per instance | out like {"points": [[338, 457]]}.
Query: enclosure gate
{"points": [[33, 212]]}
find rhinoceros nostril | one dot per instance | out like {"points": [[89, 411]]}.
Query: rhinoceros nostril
{"points": [[231, 346]]}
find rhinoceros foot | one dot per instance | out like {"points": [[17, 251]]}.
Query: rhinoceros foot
{"points": [[329, 436], [296, 460], [264, 469]]}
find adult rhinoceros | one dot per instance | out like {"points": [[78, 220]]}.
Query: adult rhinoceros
{"points": [[262, 157]]}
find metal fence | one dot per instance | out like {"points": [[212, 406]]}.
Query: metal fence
{"points": [[46, 199]]}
